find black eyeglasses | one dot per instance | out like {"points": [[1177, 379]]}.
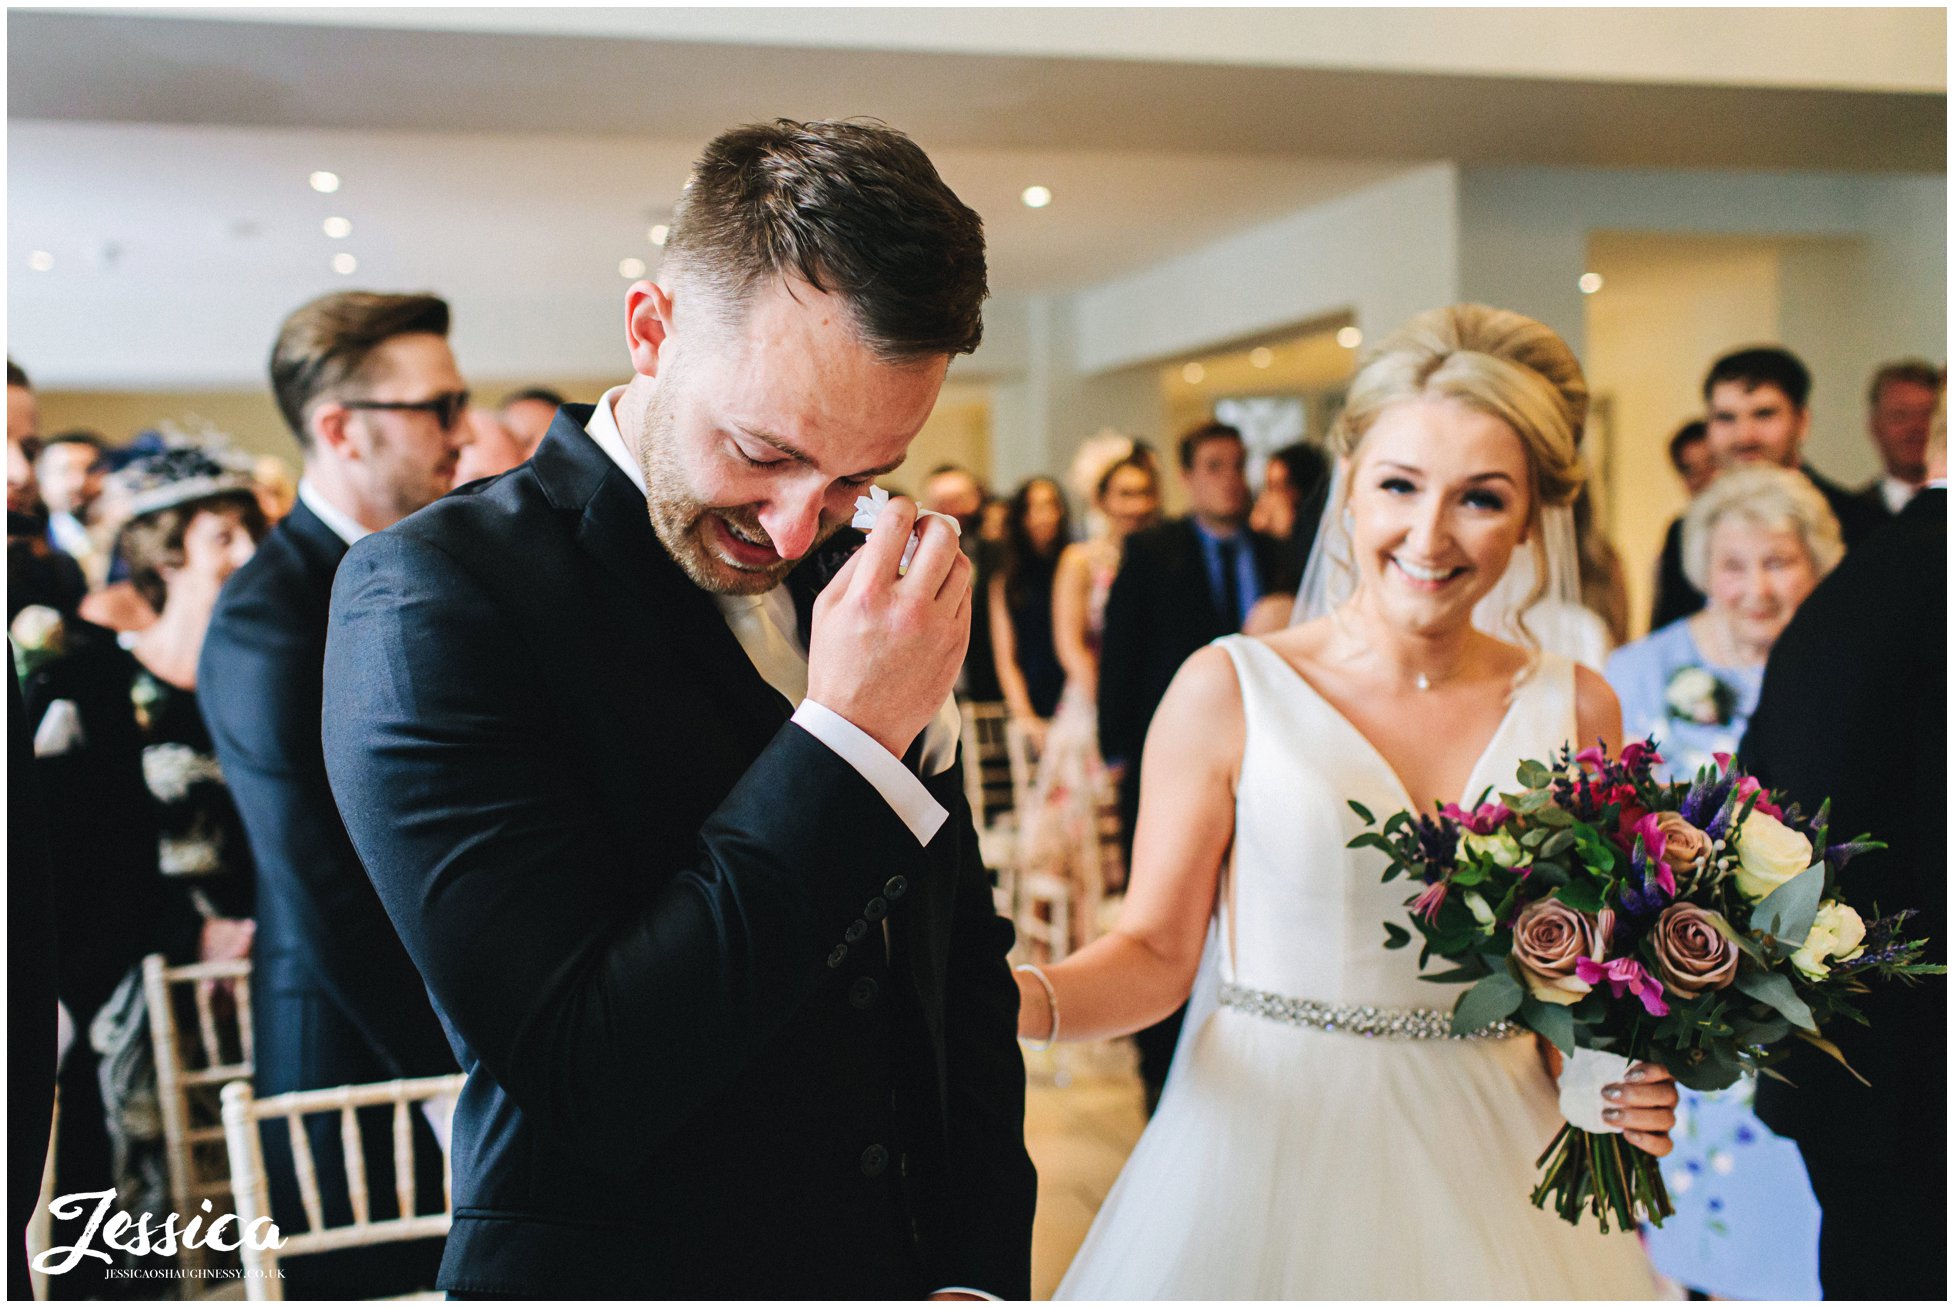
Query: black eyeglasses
{"points": [[447, 409]]}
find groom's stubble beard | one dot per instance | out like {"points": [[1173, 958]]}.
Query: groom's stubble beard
{"points": [[678, 516]]}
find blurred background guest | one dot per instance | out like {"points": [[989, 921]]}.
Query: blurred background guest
{"points": [[23, 443], [1756, 542], [277, 489], [492, 449], [69, 471], [1689, 455], [527, 414], [1758, 414], [1037, 527], [1899, 410], [954, 489], [1295, 487], [1061, 830], [1855, 710]]}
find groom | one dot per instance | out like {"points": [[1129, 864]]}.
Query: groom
{"points": [[680, 850]]}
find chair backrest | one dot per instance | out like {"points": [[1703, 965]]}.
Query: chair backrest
{"points": [[200, 1035], [243, 1111], [986, 761], [1021, 756]]}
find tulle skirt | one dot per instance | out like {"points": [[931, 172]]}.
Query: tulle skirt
{"points": [[1290, 1163]]}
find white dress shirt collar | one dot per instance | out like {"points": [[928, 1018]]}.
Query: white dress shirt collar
{"points": [[342, 523], [1896, 493], [602, 428]]}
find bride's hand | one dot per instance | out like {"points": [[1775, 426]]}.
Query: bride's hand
{"points": [[1643, 1104]]}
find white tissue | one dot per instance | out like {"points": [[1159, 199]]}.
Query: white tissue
{"points": [[869, 507], [1581, 1080]]}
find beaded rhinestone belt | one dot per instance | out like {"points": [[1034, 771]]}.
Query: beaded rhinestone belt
{"points": [[1360, 1020]]}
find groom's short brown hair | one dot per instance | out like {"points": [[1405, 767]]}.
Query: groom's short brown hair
{"points": [[853, 208]]}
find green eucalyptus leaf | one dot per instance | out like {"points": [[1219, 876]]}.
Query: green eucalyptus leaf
{"points": [[1534, 775], [1581, 896], [1787, 912], [1777, 991], [1555, 1021], [1454, 975], [1495, 997], [1559, 843], [1395, 936], [1361, 811]]}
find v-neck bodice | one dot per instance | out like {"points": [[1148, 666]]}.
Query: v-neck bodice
{"points": [[1308, 912]]}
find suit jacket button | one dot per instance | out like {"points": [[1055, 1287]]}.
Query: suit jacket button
{"points": [[878, 908], [875, 1160], [896, 887], [856, 930], [839, 956], [862, 993]]}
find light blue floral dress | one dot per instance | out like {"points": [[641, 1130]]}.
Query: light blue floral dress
{"points": [[1746, 1224]]}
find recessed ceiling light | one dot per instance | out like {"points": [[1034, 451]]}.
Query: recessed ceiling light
{"points": [[1589, 283], [631, 269], [1193, 373], [658, 233], [40, 261], [324, 183], [345, 264], [1036, 197], [1261, 356], [1349, 337], [338, 228]]}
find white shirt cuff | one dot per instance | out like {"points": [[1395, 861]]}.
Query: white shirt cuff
{"points": [[899, 787], [964, 1289]]}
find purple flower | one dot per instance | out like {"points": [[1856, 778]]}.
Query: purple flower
{"points": [[1429, 901], [1649, 860], [1625, 975]]}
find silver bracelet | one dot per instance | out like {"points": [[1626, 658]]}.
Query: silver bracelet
{"points": [[1051, 1000]]}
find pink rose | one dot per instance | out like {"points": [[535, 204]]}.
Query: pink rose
{"points": [[1691, 953], [1549, 940]]}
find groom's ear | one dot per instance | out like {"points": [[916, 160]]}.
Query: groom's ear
{"points": [[647, 325]]}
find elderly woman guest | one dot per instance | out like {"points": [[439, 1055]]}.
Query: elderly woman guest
{"points": [[1757, 541]]}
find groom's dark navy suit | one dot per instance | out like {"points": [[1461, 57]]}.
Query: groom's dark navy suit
{"points": [[650, 910]]}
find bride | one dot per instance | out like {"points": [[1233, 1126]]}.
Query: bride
{"points": [[1294, 1155]]}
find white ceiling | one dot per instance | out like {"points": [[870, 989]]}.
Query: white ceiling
{"points": [[161, 159]]}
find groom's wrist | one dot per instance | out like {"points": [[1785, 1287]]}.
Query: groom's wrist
{"points": [[900, 788]]}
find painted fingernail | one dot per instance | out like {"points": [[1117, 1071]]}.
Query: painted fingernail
{"points": [[1638, 1073], [1613, 1092], [1611, 1114]]}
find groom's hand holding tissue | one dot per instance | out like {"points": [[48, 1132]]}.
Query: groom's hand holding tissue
{"points": [[887, 645]]}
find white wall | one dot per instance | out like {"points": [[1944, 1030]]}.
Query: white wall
{"points": [[1523, 245]]}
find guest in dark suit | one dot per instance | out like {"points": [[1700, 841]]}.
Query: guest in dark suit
{"points": [[957, 491], [724, 972], [31, 990], [1899, 410], [1855, 709], [1758, 413], [368, 385], [1180, 585]]}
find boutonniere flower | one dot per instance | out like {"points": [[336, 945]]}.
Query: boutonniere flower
{"points": [[868, 508], [39, 637], [1697, 695]]}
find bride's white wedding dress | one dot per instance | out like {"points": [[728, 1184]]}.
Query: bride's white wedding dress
{"points": [[1290, 1161]]}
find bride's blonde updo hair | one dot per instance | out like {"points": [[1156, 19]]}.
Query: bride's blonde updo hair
{"points": [[1496, 361]]}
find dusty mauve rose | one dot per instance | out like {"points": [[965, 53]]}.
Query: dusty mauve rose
{"points": [[1684, 848], [1548, 939], [1691, 952]]}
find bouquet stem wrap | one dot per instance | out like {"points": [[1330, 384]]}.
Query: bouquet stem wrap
{"points": [[1606, 1176]]}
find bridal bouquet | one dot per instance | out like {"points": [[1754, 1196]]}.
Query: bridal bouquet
{"points": [[1696, 925]]}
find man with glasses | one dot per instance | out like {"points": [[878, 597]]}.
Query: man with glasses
{"points": [[369, 387]]}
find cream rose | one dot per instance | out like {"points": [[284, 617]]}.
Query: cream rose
{"points": [[1769, 853], [1500, 847], [1548, 939], [1692, 951], [1838, 935]]}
